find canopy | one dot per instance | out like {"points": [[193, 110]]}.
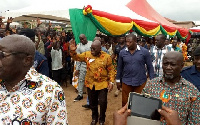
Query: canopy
{"points": [[46, 11], [195, 29], [143, 8], [56, 10], [42, 17], [53, 11]]}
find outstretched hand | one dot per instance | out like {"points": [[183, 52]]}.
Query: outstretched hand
{"points": [[9, 20], [38, 21], [50, 24], [72, 45]]}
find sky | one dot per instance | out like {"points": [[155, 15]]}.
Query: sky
{"points": [[179, 10]]}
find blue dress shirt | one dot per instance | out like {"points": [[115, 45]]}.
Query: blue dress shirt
{"points": [[132, 67], [192, 75]]}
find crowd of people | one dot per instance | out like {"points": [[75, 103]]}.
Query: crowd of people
{"points": [[30, 58]]}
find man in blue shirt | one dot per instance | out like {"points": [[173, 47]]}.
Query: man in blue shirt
{"points": [[192, 73], [131, 68]]}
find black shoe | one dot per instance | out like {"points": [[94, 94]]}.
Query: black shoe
{"points": [[86, 106], [94, 122], [78, 98]]}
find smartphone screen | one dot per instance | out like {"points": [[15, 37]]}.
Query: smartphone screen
{"points": [[145, 107]]}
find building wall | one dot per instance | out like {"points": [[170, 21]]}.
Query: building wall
{"points": [[184, 25]]}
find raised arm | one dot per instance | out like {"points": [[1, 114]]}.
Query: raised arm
{"points": [[48, 30], [9, 20], [73, 53], [38, 22]]}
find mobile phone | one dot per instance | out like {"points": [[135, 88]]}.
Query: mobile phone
{"points": [[144, 106]]}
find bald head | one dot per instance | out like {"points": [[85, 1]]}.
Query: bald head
{"points": [[96, 48], [83, 39], [176, 55], [97, 38], [82, 35], [97, 43], [17, 56], [172, 66], [18, 43]]}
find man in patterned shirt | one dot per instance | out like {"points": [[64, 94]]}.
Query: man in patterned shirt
{"points": [[174, 91], [157, 53], [26, 96], [99, 78]]}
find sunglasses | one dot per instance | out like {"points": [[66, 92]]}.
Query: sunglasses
{"points": [[5, 54]]}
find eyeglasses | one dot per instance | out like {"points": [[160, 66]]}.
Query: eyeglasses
{"points": [[5, 54]]}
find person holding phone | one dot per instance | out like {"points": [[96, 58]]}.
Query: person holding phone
{"points": [[174, 91], [170, 116]]}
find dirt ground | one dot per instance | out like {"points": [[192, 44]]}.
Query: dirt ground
{"points": [[77, 115]]}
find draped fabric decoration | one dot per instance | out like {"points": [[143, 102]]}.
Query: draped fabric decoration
{"points": [[109, 24], [81, 25], [114, 25], [144, 9], [195, 30], [145, 28], [166, 30], [182, 33]]}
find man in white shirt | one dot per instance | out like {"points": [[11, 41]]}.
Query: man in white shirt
{"points": [[56, 55], [157, 53], [27, 97], [83, 46]]}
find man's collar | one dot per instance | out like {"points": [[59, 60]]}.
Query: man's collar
{"points": [[164, 47], [33, 75], [138, 48], [100, 53], [182, 81]]}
